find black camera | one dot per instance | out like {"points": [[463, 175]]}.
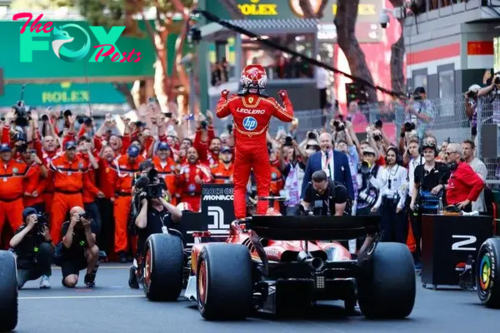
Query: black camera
{"points": [[85, 120], [377, 137], [288, 141], [66, 113], [85, 216], [338, 126], [409, 126], [204, 124], [42, 222], [472, 94], [154, 191], [194, 35], [22, 148], [497, 80], [230, 128], [417, 97], [45, 117], [311, 136], [364, 168], [22, 113], [379, 124]]}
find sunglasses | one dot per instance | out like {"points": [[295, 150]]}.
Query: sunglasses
{"points": [[449, 152]]}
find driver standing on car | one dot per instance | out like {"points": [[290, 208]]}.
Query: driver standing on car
{"points": [[325, 197], [156, 215]]}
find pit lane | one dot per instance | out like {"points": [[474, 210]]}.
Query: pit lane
{"points": [[113, 307]]}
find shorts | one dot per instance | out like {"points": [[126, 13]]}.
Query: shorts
{"points": [[73, 267]]}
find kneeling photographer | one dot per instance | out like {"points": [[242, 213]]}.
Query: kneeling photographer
{"points": [[78, 249], [155, 216], [33, 247], [324, 197]]}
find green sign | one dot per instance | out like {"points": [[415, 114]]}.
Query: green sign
{"points": [[45, 64], [62, 93]]}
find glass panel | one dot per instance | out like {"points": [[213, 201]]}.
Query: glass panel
{"points": [[420, 80], [447, 92]]}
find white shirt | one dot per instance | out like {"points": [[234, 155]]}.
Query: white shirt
{"points": [[394, 183], [321, 78], [480, 168], [414, 162], [328, 165]]}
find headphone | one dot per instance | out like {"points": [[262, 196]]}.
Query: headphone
{"points": [[433, 146]]}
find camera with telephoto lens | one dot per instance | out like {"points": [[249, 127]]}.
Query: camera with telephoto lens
{"points": [[45, 118], [363, 195], [85, 216], [22, 112], [153, 191], [364, 168], [42, 222], [409, 126], [338, 126]]}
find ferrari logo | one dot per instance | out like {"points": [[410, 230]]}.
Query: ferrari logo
{"points": [[250, 99]]}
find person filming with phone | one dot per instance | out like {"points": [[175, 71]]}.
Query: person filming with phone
{"points": [[78, 249], [33, 247]]}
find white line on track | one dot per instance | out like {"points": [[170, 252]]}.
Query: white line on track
{"points": [[81, 297]]}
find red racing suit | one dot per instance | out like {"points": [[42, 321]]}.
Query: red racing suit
{"points": [[252, 114]]}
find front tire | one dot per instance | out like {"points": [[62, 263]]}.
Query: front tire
{"points": [[388, 287], [8, 292], [224, 282], [163, 267], [488, 273]]}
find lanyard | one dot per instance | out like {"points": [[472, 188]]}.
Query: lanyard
{"points": [[328, 165]]}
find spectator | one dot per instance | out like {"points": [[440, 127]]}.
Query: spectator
{"points": [[391, 200], [464, 185], [78, 250], [120, 177], [34, 250], [334, 163], [471, 108], [222, 173], [191, 177], [469, 149], [369, 182], [167, 169], [356, 116], [293, 167], [420, 112]]}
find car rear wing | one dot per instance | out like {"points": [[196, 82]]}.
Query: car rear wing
{"points": [[313, 227]]}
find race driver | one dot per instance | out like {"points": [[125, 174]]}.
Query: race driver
{"points": [[252, 110]]}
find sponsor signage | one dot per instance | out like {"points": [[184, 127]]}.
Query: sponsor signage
{"points": [[217, 207], [447, 242]]}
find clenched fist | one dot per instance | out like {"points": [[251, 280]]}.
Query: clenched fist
{"points": [[224, 93], [283, 94]]}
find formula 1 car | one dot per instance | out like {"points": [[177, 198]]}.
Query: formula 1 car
{"points": [[279, 264], [8, 292], [485, 277]]}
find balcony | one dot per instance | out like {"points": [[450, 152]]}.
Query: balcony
{"points": [[453, 12]]}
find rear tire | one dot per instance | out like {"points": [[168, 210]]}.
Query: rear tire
{"points": [[388, 287], [163, 267], [224, 282], [8, 292], [488, 273]]}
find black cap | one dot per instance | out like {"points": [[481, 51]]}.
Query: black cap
{"points": [[27, 212], [419, 90]]}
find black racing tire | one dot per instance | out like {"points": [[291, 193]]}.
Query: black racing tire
{"points": [[8, 292], [163, 267], [488, 273], [224, 282], [387, 288]]}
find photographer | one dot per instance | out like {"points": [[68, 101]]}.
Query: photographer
{"points": [[324, 197], [420, 112], [78, 249], [369, 184], [471, 108], [392, 199], [33, 247], [156, 216]]}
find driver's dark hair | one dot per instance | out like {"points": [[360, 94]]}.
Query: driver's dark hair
{"points": [[319, 176]]}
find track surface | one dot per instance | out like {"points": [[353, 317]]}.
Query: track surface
{"points": [[113, 307]]}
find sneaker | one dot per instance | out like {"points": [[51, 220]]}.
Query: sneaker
{"points": [[89, 280], [132, 279], [45, 282]]}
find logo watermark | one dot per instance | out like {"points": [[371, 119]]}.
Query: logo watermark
{"points": [[61, 38]]}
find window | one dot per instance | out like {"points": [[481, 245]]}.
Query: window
{"points": [[277, 64], [447, 92], [420, 80]]}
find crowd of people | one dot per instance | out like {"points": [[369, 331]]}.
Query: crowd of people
{"points": [[75, 185]]}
